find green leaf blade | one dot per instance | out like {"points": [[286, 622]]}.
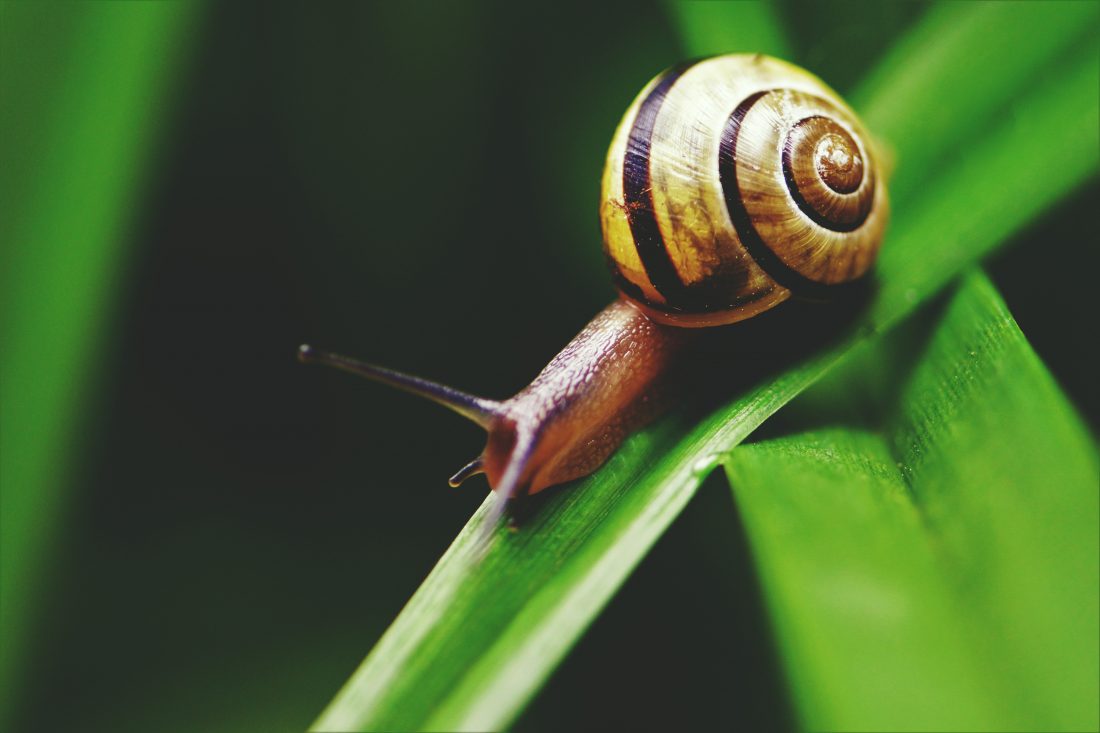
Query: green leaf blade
{"points": [[1007, 177], [853, 587], [957, 72], [1023, 539], [942, 572], [82, 93], [705, 28]]}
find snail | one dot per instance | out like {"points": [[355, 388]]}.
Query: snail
{"points": [[732, 184]]}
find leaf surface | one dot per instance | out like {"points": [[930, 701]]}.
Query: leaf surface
{"points": [[942, 569]]}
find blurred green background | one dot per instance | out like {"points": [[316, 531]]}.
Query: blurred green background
{"points": [[198, 533]]}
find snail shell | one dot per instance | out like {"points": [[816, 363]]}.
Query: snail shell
{"points": [[733, 183]]}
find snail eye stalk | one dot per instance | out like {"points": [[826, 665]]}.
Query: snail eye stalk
{"points": [[477, 409]]}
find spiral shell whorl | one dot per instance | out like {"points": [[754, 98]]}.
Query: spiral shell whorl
{"points": [[734, 182]]}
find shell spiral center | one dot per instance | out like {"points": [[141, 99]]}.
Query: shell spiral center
{"points": [[839, 163], [824, 168]]}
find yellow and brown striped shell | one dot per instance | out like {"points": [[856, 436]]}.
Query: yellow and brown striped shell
{"points": [[732, 184]]}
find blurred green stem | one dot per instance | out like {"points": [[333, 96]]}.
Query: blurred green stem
{"points": [[83, 90]]}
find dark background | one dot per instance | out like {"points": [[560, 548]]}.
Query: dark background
{"points": [[415, 185]]}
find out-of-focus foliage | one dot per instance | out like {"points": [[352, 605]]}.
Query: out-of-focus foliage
{"points": [[75, 143]]}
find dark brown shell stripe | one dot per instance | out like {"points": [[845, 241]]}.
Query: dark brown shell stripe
{"points": [[742, 222], [638, 190]]}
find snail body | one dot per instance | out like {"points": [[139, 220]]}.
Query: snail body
{"points": [[732, 184]]}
